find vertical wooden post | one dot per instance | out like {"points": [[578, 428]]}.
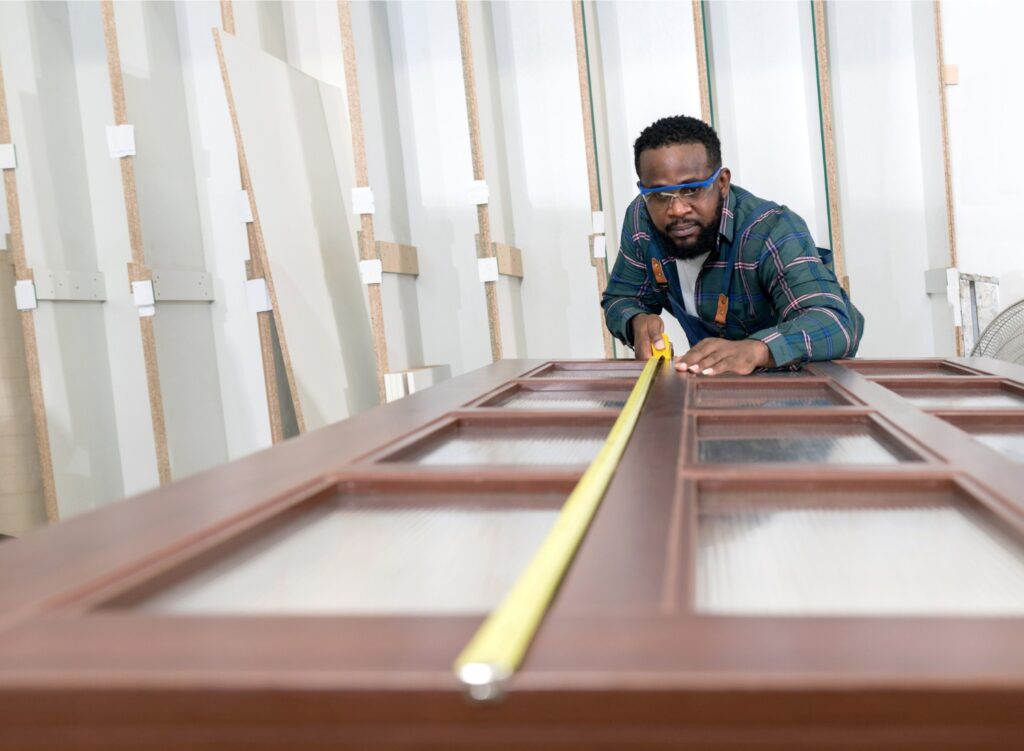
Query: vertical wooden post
{"points": [[828, 141], [137, 270], [254, 270], [590, 146], [485, 248], [367, 246], [28, 330]]}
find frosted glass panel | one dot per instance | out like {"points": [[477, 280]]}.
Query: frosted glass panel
{"points": [[558, 372], [563, 399], [961, 398], [369, 562], [802, 443], [512, 445], [1010, 444], [710, 395], [890, 560]]}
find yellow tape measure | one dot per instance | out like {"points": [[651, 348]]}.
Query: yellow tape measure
{"points": [[499, 645]]}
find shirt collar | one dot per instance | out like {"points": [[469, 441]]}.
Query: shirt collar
{"points": [[725, 229]]}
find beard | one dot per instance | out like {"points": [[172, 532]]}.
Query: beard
{"points": [[706, 240]]}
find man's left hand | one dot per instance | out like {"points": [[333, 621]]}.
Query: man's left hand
{"points": [[713, 356]]}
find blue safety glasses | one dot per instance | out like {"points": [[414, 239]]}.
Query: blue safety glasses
{"points": [[663, 196]]}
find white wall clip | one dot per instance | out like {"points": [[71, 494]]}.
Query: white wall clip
{"points": [[121, 140], [8, 159], [362, 201], [244, 207], [371, 271], [478, 192], [145, 298], [25, 295], [488, 268], [258, 295], [600, 246]]}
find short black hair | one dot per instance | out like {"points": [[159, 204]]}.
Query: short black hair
{"points": [[678, 129]]}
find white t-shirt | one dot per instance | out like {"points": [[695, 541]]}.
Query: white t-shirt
{"points": [[689, 270]]}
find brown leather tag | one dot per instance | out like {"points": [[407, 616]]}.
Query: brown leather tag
{"points": [[723, 310], [659, 273]]}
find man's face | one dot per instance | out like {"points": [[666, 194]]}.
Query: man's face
{"points": [[690, 225]]}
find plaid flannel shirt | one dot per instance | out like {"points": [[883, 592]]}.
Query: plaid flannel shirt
{"points": [[781, 292]]}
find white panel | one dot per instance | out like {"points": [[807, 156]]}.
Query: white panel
{"points": [[236, 338], [308, 228], [106, 227], [166, 180], [435, 150], [541, 160], [62, 222], [890, 170], [985, 111], [383, 143], [766, 104]]}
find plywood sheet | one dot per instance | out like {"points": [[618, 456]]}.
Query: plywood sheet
{"points": [[295, 132]]}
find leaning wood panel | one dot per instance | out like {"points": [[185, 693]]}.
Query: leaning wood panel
{"points": [[312, 277], [254, 269]]}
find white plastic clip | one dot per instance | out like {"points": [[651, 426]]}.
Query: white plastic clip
{"points": [[600, 246], [145, 299], [8, 159], [478, 192], [244, 207], [121, 140], [25, 295], [371, 271], [362, 201], [258, 295], [488, 268]]}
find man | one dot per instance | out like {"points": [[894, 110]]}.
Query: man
{"points": [[740, 274]]}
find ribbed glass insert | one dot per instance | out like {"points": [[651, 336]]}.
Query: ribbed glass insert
{"points": [[1010, 444], [335, 561], [920, 369], [994, 398], [764, 395], [596, 373], [564, 399], [511, 445], [886, 557], [804, 443]]}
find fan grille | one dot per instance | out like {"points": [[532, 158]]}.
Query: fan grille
{"points": [[1003, 339]]}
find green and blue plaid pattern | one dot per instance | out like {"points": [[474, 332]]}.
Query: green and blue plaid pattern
{"points": [[781, 292]]}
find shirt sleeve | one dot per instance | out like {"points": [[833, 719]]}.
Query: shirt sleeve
{"points": [[629, 291], [816, 321]]}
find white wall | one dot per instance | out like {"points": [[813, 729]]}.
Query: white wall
{"points": [[887, 119], [986, 110], [766, 104]]}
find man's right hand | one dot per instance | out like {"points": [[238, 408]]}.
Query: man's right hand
{"points": [[647, 331]]}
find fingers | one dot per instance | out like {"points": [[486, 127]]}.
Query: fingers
{"points": [[647, 330], [714, 356], [698, 357]]}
